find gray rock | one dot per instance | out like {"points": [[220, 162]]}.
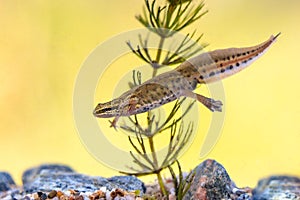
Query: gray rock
{"points": [[211, 181], [130, 182], [278, 187], [6, 182], [30, 174], [47, 180]]}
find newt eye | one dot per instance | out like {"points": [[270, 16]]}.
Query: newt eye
{"points": [[108, 109], [105, 109]]}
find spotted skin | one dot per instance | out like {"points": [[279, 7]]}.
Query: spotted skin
{"points": [[164, 88]]}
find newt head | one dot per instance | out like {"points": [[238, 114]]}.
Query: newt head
{"points": [[108, 109], [116, 107]]}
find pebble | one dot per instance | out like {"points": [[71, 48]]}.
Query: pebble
{"points": [[43, 197], [52, 194]]}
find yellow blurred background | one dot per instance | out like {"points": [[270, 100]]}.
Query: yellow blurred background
{"points": [[44, 43]]}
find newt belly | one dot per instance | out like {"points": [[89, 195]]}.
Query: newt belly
{"points": [[169, 86]]}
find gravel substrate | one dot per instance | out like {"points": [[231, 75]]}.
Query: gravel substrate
{"points": [[211, 182], [70, 195]]}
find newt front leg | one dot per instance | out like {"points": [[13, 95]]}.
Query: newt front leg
{"points": [[114, 122], [126, 108]]}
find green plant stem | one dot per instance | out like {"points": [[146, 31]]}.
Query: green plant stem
{"points": [[158, 55], [152, 148], [160, 46], [162, 185], [154, 72], [157, 171]]}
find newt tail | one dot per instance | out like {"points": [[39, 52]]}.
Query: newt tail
{"points": [[169, 86]]}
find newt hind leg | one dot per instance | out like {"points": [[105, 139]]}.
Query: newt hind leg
{"points": [[211, 104]]}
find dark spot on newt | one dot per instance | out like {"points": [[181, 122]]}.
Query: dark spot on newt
{"points": [[212, 73], [230, 67]]}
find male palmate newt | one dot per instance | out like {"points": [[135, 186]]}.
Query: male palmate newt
{"points": [[169, 86]]}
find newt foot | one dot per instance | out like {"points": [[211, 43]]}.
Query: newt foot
{"points": [[214, 105]]}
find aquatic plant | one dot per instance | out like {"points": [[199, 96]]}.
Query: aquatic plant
{"points": [[164, 21]]}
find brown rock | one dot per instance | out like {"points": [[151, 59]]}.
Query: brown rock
{"points": [[211, 181]]}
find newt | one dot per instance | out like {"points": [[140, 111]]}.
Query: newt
{"points": [[180, 82]]}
